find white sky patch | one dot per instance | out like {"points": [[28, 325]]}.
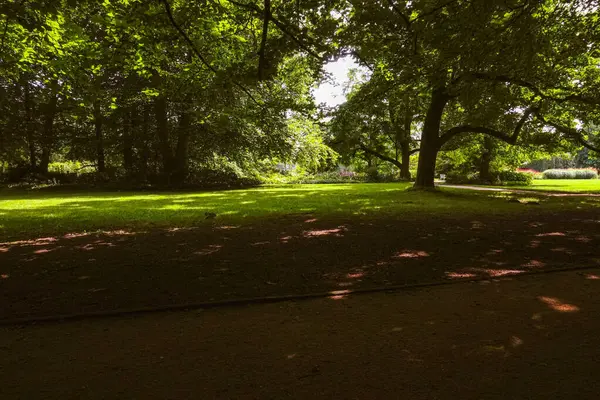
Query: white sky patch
{"points": [[331, 93]]}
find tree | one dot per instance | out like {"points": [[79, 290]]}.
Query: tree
{"points": [[505, 69], [377, 121]]}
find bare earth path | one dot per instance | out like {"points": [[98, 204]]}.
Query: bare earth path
{"points": [[529, 337]]}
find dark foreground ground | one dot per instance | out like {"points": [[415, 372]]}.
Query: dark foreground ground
{"points": [[528, 337], [296, 255]]}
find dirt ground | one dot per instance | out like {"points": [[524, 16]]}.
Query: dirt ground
{"points": [[298, 255], [528, 337]]}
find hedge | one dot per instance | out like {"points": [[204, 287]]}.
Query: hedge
{"points": [[570, 174]]}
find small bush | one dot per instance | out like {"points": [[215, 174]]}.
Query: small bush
{"points": [[535, 174], [71, 167], [330, 177], [587, 173], [461, 178], [515, 178]]}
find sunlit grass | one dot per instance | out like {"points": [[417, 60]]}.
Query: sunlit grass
{"points": [[565, 185], [38, 212]]}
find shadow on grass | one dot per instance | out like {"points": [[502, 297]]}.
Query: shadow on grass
{"points": [[301, 253]]}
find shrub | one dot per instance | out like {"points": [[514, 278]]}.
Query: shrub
{"points": [[71, 167], [330, 177], [535, 174], [515, 178], [587, 173], [461, 178]]}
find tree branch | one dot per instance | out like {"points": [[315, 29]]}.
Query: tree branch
{"points": [[573, 133], [380, 156], [403, 16], [282, 27], [263, 44], [197, 52], [534, 89], [510, 139], [432, 11]]}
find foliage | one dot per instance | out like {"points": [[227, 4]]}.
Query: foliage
{"points": [[71, 167], [458, 178], [515, 178], [570, 174]]}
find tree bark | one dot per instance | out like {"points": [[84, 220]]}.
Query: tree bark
{"points": [[98, 120], [145, 140], [29, 127], [48, 132], [430, 143], [180, 161], [486, 160], [405, 167], [162, 131], [128, 119]]}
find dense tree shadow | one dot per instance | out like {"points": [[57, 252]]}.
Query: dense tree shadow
{"points": [[299, 254], [535, 338]]}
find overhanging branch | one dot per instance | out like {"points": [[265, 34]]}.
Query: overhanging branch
{"points": [[536, 90], [380, 156], [571, 132], [279, 24], [510, 139], [197, 52]]}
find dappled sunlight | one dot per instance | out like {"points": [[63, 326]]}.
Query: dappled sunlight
{"points": [[213, 248], [411, 254], [583, 239], [559, 234], [460, 275], [33, 242], [96, 244], [325, 232], [534, 264], [260, 243], [558, 305], [561, 250], [227, 227], [285, 239], [477, 225], [339, 294], [355, 275], [44, 251], [468, 273]]}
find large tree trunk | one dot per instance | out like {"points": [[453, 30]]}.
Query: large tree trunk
{"points": [[405, 168], [29, 127], [486, 160], [430, 140], [101, 165], [145, 138], [128, 121], [180, 161], [162, 131], [48, 132]]}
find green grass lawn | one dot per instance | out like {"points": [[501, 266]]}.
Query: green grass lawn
{"points": [[559, 185], [566, 185], [26, 213]]}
